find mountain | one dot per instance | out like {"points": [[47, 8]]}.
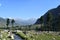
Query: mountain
{"points": [[26, 22], [2, 22], [17, 22], [54, 15], [55, 12]]}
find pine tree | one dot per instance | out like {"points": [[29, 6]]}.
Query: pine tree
{"points": [[41, 21], [12, 22], [7, 22], [49, 20]]}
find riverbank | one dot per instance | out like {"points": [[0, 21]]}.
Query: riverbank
{"points": [[4, 35], [23, 36], [31, 35], [39, 36]]}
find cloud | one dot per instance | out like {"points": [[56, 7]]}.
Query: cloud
{"points": [[0, 4]]}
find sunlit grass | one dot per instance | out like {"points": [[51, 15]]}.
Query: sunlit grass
{"points": [[32, 35], [42, 36], [4, 35]]}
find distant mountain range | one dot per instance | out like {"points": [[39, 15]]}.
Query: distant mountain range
{"points": [[17, 22], [26, 22]]}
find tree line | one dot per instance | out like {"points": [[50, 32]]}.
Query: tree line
{"points": [[51, 23]]}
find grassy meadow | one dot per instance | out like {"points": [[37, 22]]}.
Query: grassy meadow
{"points": [[39, 36]]}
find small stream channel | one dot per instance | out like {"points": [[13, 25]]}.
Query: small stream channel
{"points": [[16, 37]]}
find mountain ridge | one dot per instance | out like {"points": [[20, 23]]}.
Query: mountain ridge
{"points": [[55, 12], [18, 22]]}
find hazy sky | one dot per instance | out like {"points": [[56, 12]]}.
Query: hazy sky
{"points": [[26, 9]]}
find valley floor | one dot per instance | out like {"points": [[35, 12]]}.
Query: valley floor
{"points": [[32, 35]]}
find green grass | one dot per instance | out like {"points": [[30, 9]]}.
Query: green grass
{"points": [[46, 37], [4, 36], [42, 36], [32, 35], [23, 36]]}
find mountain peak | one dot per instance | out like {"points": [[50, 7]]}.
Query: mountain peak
{"points": [[55, 12], [58, 6]]}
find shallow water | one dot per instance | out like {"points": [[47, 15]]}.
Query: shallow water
{"points": [[16, 37]]}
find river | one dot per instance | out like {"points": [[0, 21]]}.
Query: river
{"points": [[16, 37]]}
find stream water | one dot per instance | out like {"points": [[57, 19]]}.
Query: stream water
{"points": [[16, 37]]}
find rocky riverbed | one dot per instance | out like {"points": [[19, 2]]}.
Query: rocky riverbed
{"points": [[7, 35]]}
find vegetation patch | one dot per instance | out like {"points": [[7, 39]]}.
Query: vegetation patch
{"points": [[40, 36]]}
